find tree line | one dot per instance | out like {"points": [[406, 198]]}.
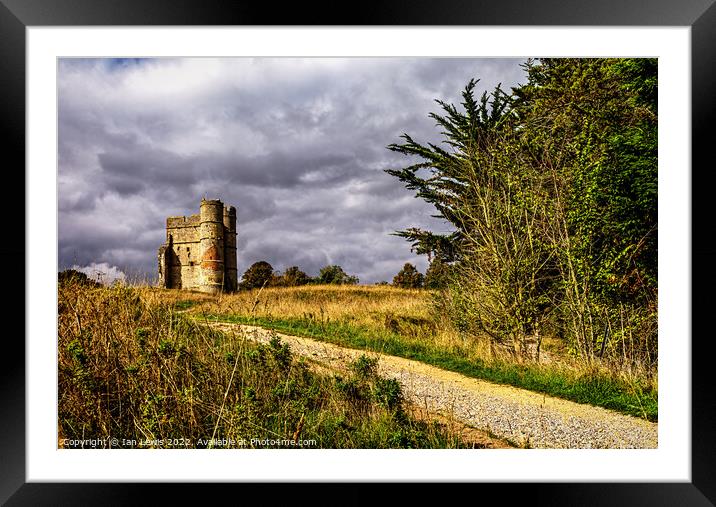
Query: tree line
{"points": [[551, 194], [261, 274]]}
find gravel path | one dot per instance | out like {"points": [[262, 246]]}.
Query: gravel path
{"points": [[524, 417]]}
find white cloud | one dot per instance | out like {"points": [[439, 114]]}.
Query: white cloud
{"points": [[102, 272]]}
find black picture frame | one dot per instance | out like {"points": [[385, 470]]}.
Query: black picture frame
{"points": [[699, 15]]}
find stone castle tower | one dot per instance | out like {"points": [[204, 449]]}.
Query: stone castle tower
{"points": [[200, 250]]}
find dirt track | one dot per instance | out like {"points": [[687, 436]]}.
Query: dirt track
{"points": [[495, 412]]}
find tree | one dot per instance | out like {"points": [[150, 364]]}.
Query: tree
{"points": [[446, 178], [258, 275], [551, 192], [294, 277], [485, 189], [335, 275], [506, 278], [72, 276], [408, 277], [592, 127], [437, 275]]}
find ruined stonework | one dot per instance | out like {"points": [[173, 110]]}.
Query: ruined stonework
{"points": [[200, 250]]}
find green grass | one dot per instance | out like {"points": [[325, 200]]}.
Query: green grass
{"points": [[592, 389], [186, 304]]}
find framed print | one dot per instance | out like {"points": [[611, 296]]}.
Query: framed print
{"points": [[58, 57]]}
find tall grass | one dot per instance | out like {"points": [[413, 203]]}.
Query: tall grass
{"points": [[131, 367]]}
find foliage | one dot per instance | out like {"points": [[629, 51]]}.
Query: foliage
{"points": [[70, 276], [335, 275], [294, 277], [551, 191], [408, 277], [258, 275], [437, 275], [598, 144], [446, 178]]}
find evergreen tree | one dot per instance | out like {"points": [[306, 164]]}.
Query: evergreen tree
{"points": [[437, 274], [591, 125], [552, 195], [446, 178], [408, 277]]}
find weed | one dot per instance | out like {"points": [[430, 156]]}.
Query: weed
{"points": [[388, 393], [365, 367], [166, 348]]}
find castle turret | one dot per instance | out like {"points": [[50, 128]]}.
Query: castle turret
{"points": [[231, 278], [200, 250], [211, 233]]}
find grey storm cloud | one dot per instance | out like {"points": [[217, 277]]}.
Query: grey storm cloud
{"points": [[297, 145], [130, 172]]}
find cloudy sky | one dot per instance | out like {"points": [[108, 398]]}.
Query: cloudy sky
{"points": [[297, 145]]}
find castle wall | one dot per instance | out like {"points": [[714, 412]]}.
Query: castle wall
{"points": [[197, 254], [183, 240]]}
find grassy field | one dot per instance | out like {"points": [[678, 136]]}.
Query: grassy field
{"points": [[401, 322], [131, 367]]}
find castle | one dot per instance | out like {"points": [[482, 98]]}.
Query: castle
{"points": [[200, 250]]}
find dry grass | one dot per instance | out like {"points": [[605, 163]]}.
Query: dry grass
{"points": [[410, 317], [365, 305], [132, 368], [407, 312]]}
